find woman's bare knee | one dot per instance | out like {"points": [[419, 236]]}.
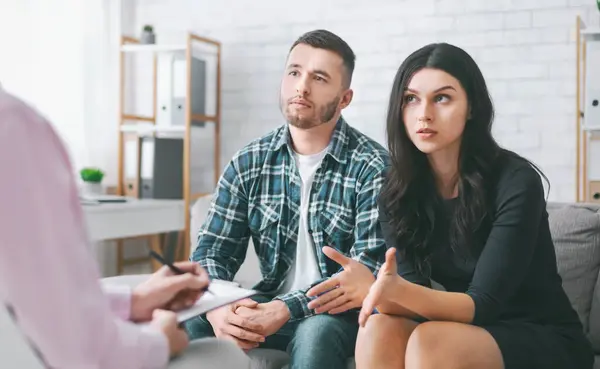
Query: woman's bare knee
{"points": [[451, 345], [381, 342], [422, 349]]}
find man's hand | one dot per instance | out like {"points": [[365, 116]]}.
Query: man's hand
{"points": [[344, 291], [231, 326], [270, 316], [165, 290], [166, 322]]}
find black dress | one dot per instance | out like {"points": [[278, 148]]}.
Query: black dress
{"points": [[512, 277]]}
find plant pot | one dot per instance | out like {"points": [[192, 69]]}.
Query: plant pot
{"points": [[148, 38], [92, 188]]}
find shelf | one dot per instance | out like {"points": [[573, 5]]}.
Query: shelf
{"points": [[153, 48], [134, 126], [197, 50], [151, 128], [592, 33]]}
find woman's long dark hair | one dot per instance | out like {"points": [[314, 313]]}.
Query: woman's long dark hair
{"points": [[410, 193]]}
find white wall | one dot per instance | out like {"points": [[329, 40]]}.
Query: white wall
{"points": [[41, 61], [524, 47]]}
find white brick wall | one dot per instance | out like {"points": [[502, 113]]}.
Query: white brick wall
{"points": [[524, 47]]}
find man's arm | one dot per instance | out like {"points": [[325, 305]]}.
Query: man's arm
{"points": [[223, 238], [369, 247], [47, 273]]}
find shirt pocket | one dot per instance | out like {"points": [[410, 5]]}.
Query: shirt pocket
{"points": [[264, 218], [263, 223], [337, 224]]}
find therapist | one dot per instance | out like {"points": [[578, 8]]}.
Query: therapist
{"points": [[49, 281]]}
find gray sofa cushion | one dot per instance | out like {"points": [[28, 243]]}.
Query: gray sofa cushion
{"points": [[575, 230]]}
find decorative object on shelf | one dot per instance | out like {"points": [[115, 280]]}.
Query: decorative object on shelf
{"points": [[148, 35], [92, 181]]}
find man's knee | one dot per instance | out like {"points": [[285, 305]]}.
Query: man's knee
{"points": [[198, 327], [331, 330]]}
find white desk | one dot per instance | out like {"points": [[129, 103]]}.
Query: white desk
{"points": [[133, 218]]}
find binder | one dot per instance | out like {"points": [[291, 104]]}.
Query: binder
{"points": [[161, 168]]}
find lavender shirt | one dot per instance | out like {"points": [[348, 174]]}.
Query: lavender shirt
{"points": [[48, 277]]}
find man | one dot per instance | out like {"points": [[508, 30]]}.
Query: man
{"points": [[49, 280], [306, 195]]}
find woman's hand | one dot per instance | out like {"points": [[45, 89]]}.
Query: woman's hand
{"points": [[343, 291], [386, 287]]}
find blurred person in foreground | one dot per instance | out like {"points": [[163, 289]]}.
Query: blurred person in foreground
{"points": [[49, 282]]}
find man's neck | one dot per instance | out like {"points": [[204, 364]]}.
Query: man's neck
{"points": [[314, 140]]}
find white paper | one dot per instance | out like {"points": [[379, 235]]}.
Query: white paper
{"points": [[220, 294]]}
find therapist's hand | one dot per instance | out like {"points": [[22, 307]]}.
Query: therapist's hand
{"points": [[168, 291], [166, 322]]}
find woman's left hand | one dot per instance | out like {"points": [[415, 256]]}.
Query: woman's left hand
{"points": [[381, 293], [345, 290]]}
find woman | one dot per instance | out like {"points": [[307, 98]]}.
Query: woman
{"points": [[461, 211]]}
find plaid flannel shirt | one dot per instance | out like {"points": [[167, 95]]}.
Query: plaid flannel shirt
{"points": [[258, 196]]}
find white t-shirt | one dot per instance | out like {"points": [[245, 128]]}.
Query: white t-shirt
{"points": [[305, 269]]}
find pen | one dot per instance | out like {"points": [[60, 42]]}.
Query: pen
{"points": [[173, 268]]}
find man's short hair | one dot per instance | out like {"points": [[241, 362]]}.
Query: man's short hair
{"points": [[327, 40]]}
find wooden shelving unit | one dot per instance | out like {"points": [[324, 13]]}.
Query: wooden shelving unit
{"points": [[587, 128], [131, 125]]}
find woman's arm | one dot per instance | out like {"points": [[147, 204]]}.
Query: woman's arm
{"points": [[412, 300], [502, 265]]}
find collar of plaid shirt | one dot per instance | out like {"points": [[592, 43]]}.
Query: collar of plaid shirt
{"points": [[258, 198], [337, 146]]}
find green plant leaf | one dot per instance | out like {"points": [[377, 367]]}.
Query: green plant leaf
{"points": [[94, 175]]}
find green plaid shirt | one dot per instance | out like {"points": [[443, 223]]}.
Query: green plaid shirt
{"points": [[258, 196]]}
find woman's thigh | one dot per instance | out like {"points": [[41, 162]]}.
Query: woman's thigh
{"points": [[452, 345]]}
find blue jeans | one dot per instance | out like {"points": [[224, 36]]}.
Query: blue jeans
{"points": [[320, 341]]}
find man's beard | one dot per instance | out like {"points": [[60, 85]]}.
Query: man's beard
{"points": [[324, 114]]}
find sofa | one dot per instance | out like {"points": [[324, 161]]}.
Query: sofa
{"points": [[575, 229]]}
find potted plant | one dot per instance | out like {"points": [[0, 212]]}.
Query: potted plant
{"points": [[92, 180], [148, 36]]}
